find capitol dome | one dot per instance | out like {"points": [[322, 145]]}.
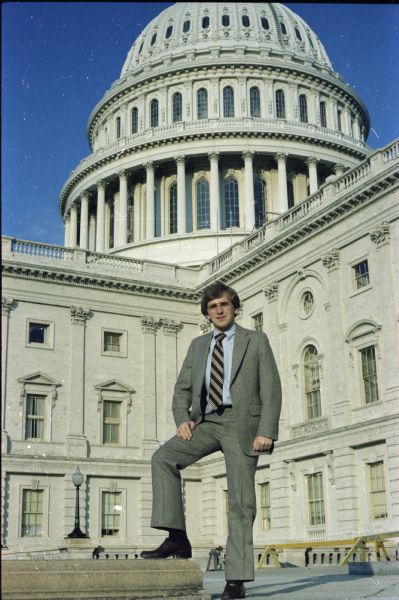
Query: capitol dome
{"points": [[227, 115]]}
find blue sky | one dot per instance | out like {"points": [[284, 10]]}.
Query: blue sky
{"points": [[59, 58]]}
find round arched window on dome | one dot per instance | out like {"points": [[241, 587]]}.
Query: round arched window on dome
{"points": [[254, 101], [205, 22], [245, 20], [298, 34], [231, 202], [225, 20], [260, 202], [202, 103], [280, 104], [169, 32], [203, 208], [186, 26], [303, 109], [265, 23], [173, 208], [283, 28], [153, 39], [154, 113], [118, 128], [228, 101], [135, 119], [177, 107], [323, 114], [141, 48]]}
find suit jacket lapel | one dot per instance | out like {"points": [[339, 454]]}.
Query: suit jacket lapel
{"points": [[203, 350], [240, 345]]}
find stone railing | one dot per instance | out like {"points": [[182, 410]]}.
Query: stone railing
{"points": [[115, 262], [41, 250]]}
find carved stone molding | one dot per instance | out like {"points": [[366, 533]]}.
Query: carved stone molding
{"points": [[171, 327], [79, 315], [7, 305], [150, 325], [180, 160], [331, 260], [205, 326], [271, 292], [380, 235], [213, 156], [280, 156], [248, 154], [310, 427]]}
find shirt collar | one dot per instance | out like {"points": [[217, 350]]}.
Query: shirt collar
{"points": [[229, 333]]}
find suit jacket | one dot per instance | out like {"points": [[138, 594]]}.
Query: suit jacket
{"points": [[254, 386]]}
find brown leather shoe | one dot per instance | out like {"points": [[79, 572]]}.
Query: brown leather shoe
{"points": [[233, 590], [169, 548]]}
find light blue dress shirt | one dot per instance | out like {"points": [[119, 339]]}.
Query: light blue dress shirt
{"points": [[228, 345]]}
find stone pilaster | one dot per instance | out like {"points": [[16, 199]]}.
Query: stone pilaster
{"points": [[282, 183], [214, 191], [181, 194], [67, 230], [313, 180], [150, 328], [100, 232], [7, 305], [168, 358], [122, 216], [84, 221], [346, 486], [76, 439], [150, 205]]}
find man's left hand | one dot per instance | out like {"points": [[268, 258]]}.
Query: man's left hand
{"points": [[261, 443]]}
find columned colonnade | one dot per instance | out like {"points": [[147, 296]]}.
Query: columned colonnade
{"points": [[87, 229]]}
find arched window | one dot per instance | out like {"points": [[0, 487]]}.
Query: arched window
{"points": [[298, 34], [228, 101], [245, 20], [311, 365], [265, 23], [231, 202], [323, 114], [186, 26], [280, 104], [118, 128], [153, 39], [283, 28], [135, 119], [173, 208], [177, 107], [205, 22], [154, 113], [339, 118], [130, 220], [203, 208], [303, 109], [202, 103], [254, 102], [169, 31], [260, 202], [225, 20]]}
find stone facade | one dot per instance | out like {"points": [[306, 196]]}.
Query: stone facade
{"points": [[93, 337]]}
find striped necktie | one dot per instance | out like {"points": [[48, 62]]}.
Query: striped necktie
{"points": [[217, 368]]}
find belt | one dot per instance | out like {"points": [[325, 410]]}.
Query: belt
{"points": [[222, 409]]}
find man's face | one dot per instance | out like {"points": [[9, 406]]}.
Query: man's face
{"points": [[221, 312]]}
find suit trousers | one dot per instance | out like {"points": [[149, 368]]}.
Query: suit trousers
{"points": [[216, 432]]}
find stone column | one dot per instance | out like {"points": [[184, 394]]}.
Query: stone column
{"points": [[313, 181], [181, 194], [100, 233], [249, 199], [122, 217], [73, 235], [282, 203], [150, 205], [92, 232], [84, 221], [76, 440], [150, 327], [137, 217], [67, 230], [214, 191]]}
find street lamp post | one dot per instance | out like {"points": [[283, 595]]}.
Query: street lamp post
{"points": [[77, 479]]}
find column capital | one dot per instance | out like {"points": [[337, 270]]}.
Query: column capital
{"points": [[271, 291], [170, 326], [150, 325], [311, 161], [7, 305], [148, 165], [101, 184], [85, 196], [180, 160], [79, 315], [248, 154], [74, 205], [214, 155], [381, 234], [331, 260], [280, 156], [123, 173]]}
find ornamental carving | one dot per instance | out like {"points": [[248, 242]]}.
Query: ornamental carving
{"points": [[7, 305], [205, 326], [248, 154], [171, 327], [280, 157], [271, 292], [310, 427], [150, 325], [380, 235], [213, 155], [331, 260], [79, 315]]}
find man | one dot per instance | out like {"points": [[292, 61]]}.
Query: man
{"points": [[227, 397]]}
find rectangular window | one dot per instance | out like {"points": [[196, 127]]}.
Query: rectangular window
{"points": [[110, 513], [38, 333], [316, 499], [112, 341], [257, 322], [111, 422], [265, 505], [32, 513], [369, 374], [35, 417], [377, 490], [361, 273]]}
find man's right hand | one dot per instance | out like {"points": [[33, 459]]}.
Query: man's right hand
{"points": [[184, 430]]}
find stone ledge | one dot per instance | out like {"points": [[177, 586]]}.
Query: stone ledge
{"points": [[101, 580]]}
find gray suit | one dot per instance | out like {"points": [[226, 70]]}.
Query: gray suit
{"points": [[256, 396]]}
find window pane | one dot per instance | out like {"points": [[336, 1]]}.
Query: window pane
{"points": [[369, 374], [32, 513], [112, 341], [228, 102], [254, 101], [202, 103], [225, 20], [316, 499], [135, 120], [111, 422], [265, 507], [303, 109], [377, 490], [154, 113], [169, 31], [323, 114], [203, 208], [37, 333], [173, 208], [312, 382], [186, 26], [231, 202], [245, 20], [257, 321], [283, 28], [280, 104], [260, 202], [362, 277], [265, 23], [110, 513], [205, 22], [34, 423], [177, 107]]}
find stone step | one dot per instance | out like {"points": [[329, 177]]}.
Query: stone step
{"points": [[100, 580]]}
